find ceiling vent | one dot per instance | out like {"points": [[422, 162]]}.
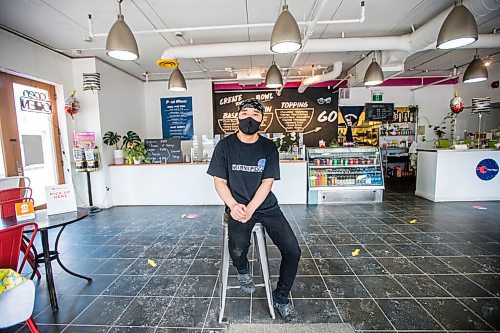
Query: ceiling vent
{"points": [[246, 78]]}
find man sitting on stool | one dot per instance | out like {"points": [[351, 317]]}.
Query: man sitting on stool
{"points": [[244, 166]]}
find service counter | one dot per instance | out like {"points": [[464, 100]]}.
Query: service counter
{"points": [[189, 184], [458, 175]]}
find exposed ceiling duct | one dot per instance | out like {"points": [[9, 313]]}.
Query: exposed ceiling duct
{"points": [[394, 49], [333, 74]]}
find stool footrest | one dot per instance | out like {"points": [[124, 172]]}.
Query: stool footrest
{"points": [[238, 287]]}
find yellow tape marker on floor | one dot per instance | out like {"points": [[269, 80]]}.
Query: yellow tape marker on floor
{"points": [[355, 252], [413, 221], [152, 263]]}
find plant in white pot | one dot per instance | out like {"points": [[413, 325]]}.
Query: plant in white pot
{"points": [[112, 139]]}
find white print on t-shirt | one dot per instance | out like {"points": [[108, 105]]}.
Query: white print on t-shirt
{"points": [[261, 164]]}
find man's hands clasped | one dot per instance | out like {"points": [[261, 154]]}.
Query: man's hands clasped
{"points": [[241, 213]]}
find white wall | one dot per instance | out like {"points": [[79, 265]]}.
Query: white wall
{"points": [[119, 106], [23, 58], [86, 120], [121, 109], [480, 89], [200, 90]]}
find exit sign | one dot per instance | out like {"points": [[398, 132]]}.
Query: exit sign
{"points": [[376, 96]]}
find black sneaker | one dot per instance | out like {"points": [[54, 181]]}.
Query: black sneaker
{"points": [[246, 283], [287, 312]]}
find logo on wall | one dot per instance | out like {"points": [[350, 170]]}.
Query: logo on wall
{"points": [[487, 169], [35, 101]]}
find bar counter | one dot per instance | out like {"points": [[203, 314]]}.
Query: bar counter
{"points": [[458, 175], [189, 184]]}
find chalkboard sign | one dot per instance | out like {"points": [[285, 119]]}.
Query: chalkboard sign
{"points": [[163, 150], [313, 113], [379, 111]]}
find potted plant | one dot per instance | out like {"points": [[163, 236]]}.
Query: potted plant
{"points": [[112, 139], [136, 152]]}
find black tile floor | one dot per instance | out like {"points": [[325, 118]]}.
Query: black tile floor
{"points": [[441, 273]]}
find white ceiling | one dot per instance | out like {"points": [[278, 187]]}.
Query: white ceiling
{"points": [[62, 25]]}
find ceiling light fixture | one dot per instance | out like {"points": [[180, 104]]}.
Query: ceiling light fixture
{"points": [[121, 43], [476, 71], [273, 77], [285, 37], [177, 81], [458, 29], [374, 74]]}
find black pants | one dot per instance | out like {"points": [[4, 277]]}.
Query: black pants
{"points": [[281, 234]]}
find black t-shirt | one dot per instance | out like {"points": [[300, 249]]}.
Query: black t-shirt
{"points": [[244, 166]]}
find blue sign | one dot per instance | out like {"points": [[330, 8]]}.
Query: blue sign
{"points": [[487, 169], [177, 117]]}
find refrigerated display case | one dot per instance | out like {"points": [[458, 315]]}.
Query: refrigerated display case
{"points": [[339, 175]]}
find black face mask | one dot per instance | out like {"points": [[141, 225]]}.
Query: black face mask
{"points": [[249, 125]]}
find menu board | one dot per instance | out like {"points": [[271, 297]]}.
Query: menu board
{"points": [[313, 113], [379, 111], [163, 150], [177, 117]]}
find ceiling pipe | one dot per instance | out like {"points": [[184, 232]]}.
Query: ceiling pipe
{"points": [[401, 43], [333, 74], [308, 33], [361, 19]]}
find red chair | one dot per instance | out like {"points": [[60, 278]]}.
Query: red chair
{"points": [[8, 199], [10, 248]]}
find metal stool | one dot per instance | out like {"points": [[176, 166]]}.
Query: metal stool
{"points": [[258, 233]]}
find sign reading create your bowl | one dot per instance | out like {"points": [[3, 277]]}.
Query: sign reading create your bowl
{"points": [[313, 113], [487, 169]]}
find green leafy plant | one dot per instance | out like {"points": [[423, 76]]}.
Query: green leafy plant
{"points": [[112, 139], [135, 151], [413, 108], [130, 137]]}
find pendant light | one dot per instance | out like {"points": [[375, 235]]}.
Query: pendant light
{"points": [[121, 42], [177, 81], [374, 74], [273, 77], [285, 37], [476, 71], [458, 29]]}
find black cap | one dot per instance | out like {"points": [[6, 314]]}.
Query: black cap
{"points": [[251, 103]]}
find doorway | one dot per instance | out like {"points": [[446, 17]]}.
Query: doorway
{"points": [[30, 136]]}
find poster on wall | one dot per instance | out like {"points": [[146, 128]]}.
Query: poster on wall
{"points": [[313, 113], [177, 117]]}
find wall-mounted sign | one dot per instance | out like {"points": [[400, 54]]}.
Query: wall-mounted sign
{"points": [[377, 96], [313, 113], [379, 111], [487, 169], [35, 101], [177, 117]]}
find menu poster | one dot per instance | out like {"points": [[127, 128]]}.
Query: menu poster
{"points": [[60, 199], [163, 151], [313, 113], [177, 117], [379, 111]]}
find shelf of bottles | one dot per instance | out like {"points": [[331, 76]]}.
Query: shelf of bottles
{"points": [[344, 167]]}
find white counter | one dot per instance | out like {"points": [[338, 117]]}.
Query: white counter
{"points": [[189, 184], [450, 175]]}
